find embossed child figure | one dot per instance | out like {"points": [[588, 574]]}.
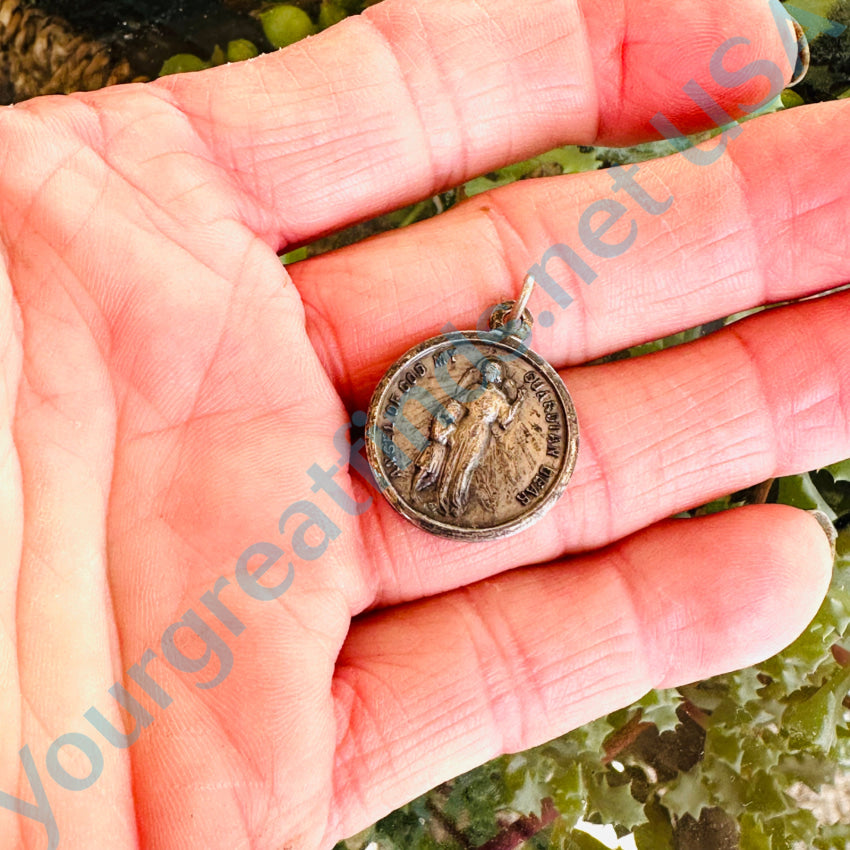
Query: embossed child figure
{"points": [[461, 435]]}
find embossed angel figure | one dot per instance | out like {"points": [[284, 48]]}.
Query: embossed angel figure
{"points": [[461, 434]]}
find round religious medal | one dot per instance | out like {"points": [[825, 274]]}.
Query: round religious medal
{"points": [[472, 435]]}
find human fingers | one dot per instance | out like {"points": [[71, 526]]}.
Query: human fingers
{"points": [[412, 97], [762, 223], [513, 661], [661, 433]]}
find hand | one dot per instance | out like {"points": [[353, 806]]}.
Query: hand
{"points": [[170, 391]]}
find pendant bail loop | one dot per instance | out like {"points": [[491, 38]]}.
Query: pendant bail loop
{"points": [[520, 304], [513, 318]]}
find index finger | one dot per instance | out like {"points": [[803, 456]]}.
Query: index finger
{"points": [[413, 97]]}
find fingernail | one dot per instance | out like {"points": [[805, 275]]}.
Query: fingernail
{"points": [[828, 528], [803, 55]]}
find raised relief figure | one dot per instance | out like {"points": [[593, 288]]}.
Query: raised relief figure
{"points": [[461, 434]]}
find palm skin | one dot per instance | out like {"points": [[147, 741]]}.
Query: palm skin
{"points": [[168, 388]]}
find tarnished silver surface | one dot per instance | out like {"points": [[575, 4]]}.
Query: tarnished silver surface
{"points": [[471, 435]]}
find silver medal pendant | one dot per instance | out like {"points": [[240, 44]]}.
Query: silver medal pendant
{"points": [[470, 434]]}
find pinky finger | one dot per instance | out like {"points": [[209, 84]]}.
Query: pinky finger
{"points": [[428, 690]]}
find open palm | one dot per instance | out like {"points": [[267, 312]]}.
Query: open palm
{"points": [[178, 515]]}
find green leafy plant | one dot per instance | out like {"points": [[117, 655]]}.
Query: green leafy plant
{"points": [[236, 51], [284, 24]]}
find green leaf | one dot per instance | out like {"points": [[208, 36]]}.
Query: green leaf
{"points": [[659, 707], [813, 15], [476, 795], [714, 506], [842, 552], [811, 722], [403, 827], [330, 13], [686, 795], [588, 739], [526, 799], [812, 646], [182, 63], [657, 832], [285, 24], [790, 99], [832, 837], [725, 745], [356, 842], [571, 159], [835, 492], [765, 797], [614, 805], [747, 687], [822, 8], [294, 256], [240, 49], [708, 695], [578, 840], [726, 786], [753, 836], [798, 825], [808, 768], [840, 471], [799, 491], [568, 792], [759, 754]]}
